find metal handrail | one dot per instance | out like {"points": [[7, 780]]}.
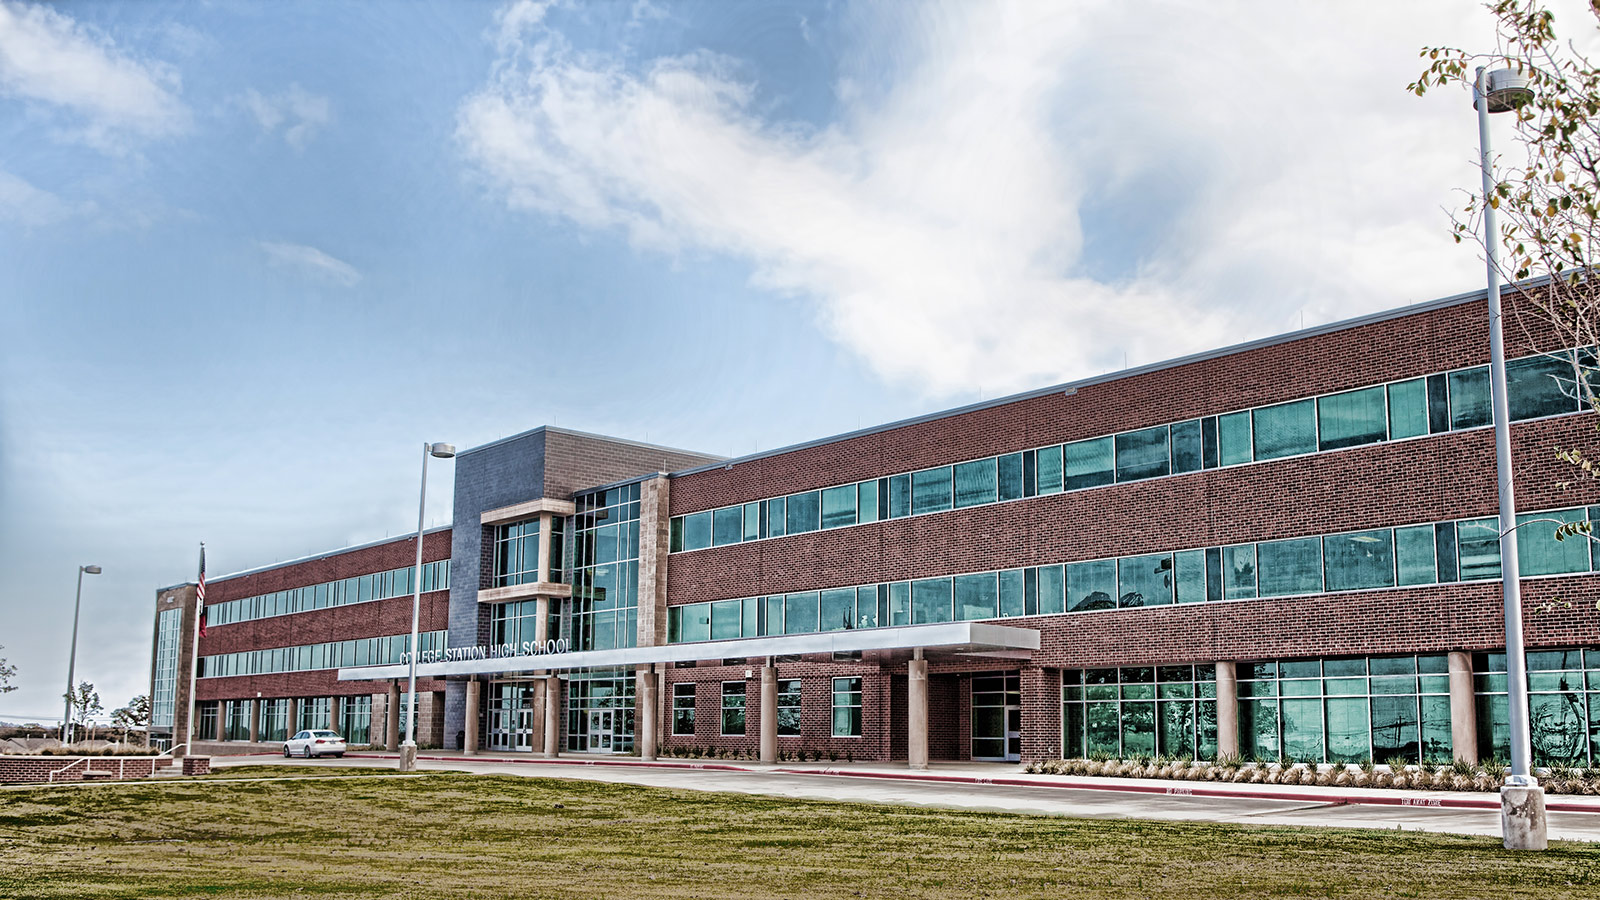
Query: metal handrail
{"points": [[82, 760]]}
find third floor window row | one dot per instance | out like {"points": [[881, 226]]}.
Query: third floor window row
{"points": [[1539, 386], [360, 589]]}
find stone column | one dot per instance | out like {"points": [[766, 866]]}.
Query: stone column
{"points": [[255, 721], [552, 716], [917, 713], [536, 740], [1227, 709], [392, 714], [222, 720], [545, 520], [644, 698], [654, 521], [769, 712], [290, 726], [335, 717], [1463, 708], [469, 744]]}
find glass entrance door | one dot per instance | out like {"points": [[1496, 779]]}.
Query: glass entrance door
{"points": [[601, 722], [997, 717], [524, 729]]}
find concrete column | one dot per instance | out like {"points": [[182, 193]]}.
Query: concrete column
{"points": [[222, 719], [469, 744], [541, 620], [1463, 709], [654, 521], [1227, 709], [392, 714], [335, 714], [294, 716], [255, 720], [917, 713], [552, 716], [769, 712], [645, 706], [536, 740], [544, 546], [1522, 817]]}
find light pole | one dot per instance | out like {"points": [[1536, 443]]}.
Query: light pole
{"points": [[72, 656], [408, 750], [1522, 813]]}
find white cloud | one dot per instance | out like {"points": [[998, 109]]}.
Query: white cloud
{"points": [[30, 206], [1034, 191], [311, 261], [299, 112], [48, 58]]}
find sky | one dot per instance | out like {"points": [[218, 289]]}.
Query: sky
{"points": [[253, 255]]}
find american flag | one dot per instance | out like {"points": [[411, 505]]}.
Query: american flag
{"points": [[200, 592]]}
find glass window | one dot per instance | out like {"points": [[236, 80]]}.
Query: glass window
{"points": [[732, 707], [1187, 446], [1538, 551], [867, 606], [1051, 583], [1478, 547], [900, 603], [976, 483], [1013, 593], [683, 709], [930, 490], [696, 622], [847, 707], [1414, 554], [1444, 543], [977, 596], [1469, 398], [752, 521], [697, 531], [899, 496], [1143, 454], [800, 613], [727, 527], [1287, 429], [1010, 476], [1352, 418], [838, 609], [1408, 409], [1208, 442], [1144, 580], [1438, 403], [1088, 463], [725, 616], [867, 501], [1091, 585], [1363, 560], [1233, 438], [1541, 386], [839, 506], [788, 707], [803, 513], [1239, 572], [1190, 580], [930, 601], [1049, 466], [777, 515], [1290, 567]]}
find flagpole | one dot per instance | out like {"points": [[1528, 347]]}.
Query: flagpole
{"points": [[194, 653]]}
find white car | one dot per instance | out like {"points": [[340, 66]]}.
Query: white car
{"points": [[311, 744]]}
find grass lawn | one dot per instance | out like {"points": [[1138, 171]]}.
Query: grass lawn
{"points": [[464, 836]]}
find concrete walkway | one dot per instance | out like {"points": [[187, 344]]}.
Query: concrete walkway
{"points": [[1005, 788]]}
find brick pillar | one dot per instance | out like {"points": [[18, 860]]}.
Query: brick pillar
{"points": [[255, 721], [1041, 713], [474, 713], [769, 712], [917, 713], [645, 706], [552, 716], [1463, 708], [1227, 709], [392, 714]]}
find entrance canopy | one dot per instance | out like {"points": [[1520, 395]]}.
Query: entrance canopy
{"points": [[942, 639]]}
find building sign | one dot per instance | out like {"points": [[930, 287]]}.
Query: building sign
{"points": [[491, 651]]}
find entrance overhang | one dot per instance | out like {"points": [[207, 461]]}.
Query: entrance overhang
{"points": [[940, 639]]}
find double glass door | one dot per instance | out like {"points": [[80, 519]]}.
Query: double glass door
{"points": [[602, 723]]}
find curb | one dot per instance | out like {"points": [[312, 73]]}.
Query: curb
{"points": [[1415, 799]]}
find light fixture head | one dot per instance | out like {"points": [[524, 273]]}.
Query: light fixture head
{"points": [[1506, 90], [441, 450], [91, 570]]}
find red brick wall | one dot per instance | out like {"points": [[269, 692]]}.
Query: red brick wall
{"points": [[37, 769], [816, 709]]}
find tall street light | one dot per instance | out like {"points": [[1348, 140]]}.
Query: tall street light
{"points": [[72, 656], [1522, 813], [408, 750]]}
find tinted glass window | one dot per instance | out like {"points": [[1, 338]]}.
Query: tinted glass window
{"points": [[1444, 543], [1361, 561], [1538, 551], [1239, 572], [1540, 386], [1189, 576], [976, 483], [752, 521], [727, 527], [1010, 477], [930, 490], [838, 609], [1478, 548], [1287, 429], [800, 613], [1187, 446], [1049, 470], [839, 506], [1414, 554], [1352, 418], [867, 501], [1289, 567], [804, 513], [725, 617], [977, 596], [1052, 583], [1469, 398], [1088, 463], [1408, 409], [899, 496], [1438, 403], [1091, 585], [1233, 438], [697, 531], [930, 601], [776, 516], [1143, 454], [1012, 592], [1144, 580]]}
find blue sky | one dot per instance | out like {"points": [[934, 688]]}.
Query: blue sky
{"points": [[251, 255]]}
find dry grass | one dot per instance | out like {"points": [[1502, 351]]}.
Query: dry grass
{"points": [[490, 836]]}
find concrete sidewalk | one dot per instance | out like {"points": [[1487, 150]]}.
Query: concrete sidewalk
{"points": [[1011, 775]]}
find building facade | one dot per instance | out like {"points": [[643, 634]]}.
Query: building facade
{"points": [[1284, 550]]}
